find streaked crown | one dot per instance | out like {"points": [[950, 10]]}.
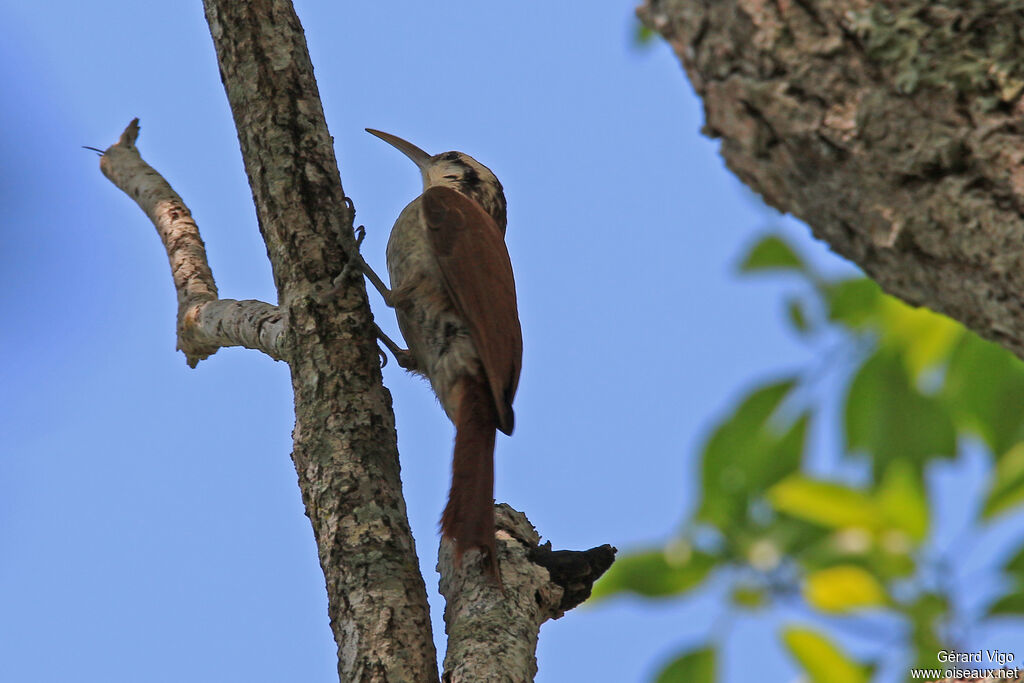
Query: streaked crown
{"points": [[457, 170]]}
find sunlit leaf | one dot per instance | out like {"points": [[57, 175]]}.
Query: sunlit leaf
{"points": [[656, 573], [771, 253], [746, 453], [1007, 489], [890, 419], [843, 588], [902, 500], [925, 338], [854, 303], [984, 387], [826, 503], [696, 666], [821, 659], [892, 555]]}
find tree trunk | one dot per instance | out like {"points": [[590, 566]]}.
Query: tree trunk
{"points": [[345, 446], [892, 128]]}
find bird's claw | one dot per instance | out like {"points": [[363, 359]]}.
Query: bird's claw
{"points": [[355, 262]]}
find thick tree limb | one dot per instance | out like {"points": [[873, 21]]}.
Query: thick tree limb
{"points": [[205, 323], [345, 446], [492, 633], [892, 128]]}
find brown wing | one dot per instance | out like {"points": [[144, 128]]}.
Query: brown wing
{"points": [[478, 276]]}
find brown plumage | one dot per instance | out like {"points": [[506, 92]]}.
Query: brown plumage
{"points": [[469, 515], [477, 274], [454, 296]]}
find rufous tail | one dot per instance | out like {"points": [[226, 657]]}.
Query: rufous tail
{"points": [[469, 516]]}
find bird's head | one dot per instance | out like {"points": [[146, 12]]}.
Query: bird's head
{"points": [[456, 170]]}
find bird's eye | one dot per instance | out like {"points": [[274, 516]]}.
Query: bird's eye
{"points": [[451, 177]]}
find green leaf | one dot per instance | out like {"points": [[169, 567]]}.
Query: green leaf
{"points": [[656, 573], [825, 503], [849, 545], [843, 588], [902, 501], [795, 536], [891, 420], [697, 666], [745, 454], [1007, 489], [748, 597], [784, 455], [1010, 605], [854, 303], [925, 338], [984, 390], [771, 253], [892, 557], [927, 615], [796, 316], [823, 661], [1015, 565]]}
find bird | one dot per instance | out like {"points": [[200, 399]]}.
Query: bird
{"points": [[453, 291]]}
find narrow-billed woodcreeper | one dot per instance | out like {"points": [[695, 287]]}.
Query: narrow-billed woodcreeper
{"points": [[454, 296]]}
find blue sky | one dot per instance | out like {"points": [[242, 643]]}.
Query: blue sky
{"points": [[150, 522]]}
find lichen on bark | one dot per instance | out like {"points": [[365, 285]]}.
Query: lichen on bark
{"points": [[893, 129]]}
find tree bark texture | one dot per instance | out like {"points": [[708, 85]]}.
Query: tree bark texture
{"points": [[205, 322], [492, 633], [345, 446], [892, 128]]}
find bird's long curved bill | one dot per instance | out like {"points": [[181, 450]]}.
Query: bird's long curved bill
{"points": [[418, 156]]}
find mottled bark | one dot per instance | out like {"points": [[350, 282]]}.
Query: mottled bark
{"points": [[492, 631], [892, 128], [345, 448]]}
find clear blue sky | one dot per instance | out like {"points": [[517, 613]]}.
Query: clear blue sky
{"points": [[150, 523]]}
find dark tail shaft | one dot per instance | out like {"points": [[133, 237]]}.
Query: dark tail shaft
{"points": [[469, 516]]}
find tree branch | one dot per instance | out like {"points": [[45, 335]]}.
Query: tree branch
{"points": [[345, 446], [205, 323], [492, 633], [898, 143]]}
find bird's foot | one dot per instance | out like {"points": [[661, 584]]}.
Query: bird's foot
{"points": [[403, 356], [355, 263]]}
